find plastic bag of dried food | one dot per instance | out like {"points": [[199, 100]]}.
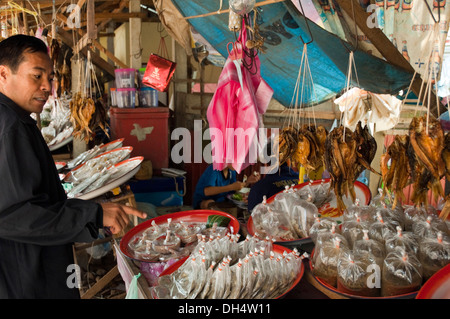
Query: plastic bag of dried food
{"points": [[320, 225], [322, 194], [306, 192], [330, 235], [401, 274], [393, 217], [325, 260], [380, 230], [258, 214], [277, 224], [371, 246], [302, 217], [354, 274], [405, 240], [412, 214], [285, 200], [429, 227], [365, 212], [434, 253], [353, 229], [379, 200]]}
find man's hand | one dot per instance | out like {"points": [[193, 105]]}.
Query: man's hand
{"points": [[115, 216], [237, 186]]}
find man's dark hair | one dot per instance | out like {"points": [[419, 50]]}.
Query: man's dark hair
{"points": [[12, 49]]}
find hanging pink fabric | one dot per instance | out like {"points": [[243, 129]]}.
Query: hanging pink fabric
{"points": [[234, 113]]}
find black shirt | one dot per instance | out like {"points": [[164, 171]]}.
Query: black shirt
{"points": [[271, 184], [38, 224]]}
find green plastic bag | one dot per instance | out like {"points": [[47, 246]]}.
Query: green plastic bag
{"points": [[133, 292]]}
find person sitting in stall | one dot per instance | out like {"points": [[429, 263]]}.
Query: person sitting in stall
{"points": [[273, 182], [214, 186]]}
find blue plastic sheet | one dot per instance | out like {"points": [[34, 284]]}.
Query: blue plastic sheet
{"points": [[283, 26]]}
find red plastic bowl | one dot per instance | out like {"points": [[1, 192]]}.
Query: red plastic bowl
{"points": [[438, 286], [185, 216], [276, 248]]}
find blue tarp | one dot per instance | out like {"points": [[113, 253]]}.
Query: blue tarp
{"points": [[282, 26]]}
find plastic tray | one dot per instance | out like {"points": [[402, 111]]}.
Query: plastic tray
{"points": [[185, 216]]}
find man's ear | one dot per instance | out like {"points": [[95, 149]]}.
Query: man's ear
{"points": [[4, 73]]}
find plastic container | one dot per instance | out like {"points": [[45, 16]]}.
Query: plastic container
{"points": [[148, 97], [125, 78], [113, 97], [141, 76], [126, 98]]}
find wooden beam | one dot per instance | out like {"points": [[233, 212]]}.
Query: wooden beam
{"points": [[90, 17], [96, 59], [387, 49], [83, 42]]}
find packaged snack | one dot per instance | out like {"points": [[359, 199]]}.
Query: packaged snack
{"points": [[325, 260], [434, 253], [353, 275], [405, 240], [402, 273]]}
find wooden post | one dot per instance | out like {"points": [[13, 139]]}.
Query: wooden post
{"points": [[135, 36], [90, 17]]}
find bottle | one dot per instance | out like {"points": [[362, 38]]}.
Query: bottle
{"points": [[397, 5], [405, 51], [390, 3]]}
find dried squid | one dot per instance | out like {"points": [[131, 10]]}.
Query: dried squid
{"points": [[82, 110], [396, 178]]}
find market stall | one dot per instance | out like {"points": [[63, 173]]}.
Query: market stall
{"points": [[339, 101]]}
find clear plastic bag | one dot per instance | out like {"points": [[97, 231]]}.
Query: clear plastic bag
{"points": [[325, 260], [413, 214], [303, 217], [353, 275], [429, 227], [258, 214], [370, 246], [331, 235], [277, 224], [380, 230], [380, 200], [321, 225], [365, 212], [353, 230], [404, 240], [434, 253], [402, 273]]}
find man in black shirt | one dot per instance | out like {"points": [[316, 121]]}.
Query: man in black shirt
{"points": [[38, 224]]}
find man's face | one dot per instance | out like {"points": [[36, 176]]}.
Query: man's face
{"points": [[30, 86]]}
